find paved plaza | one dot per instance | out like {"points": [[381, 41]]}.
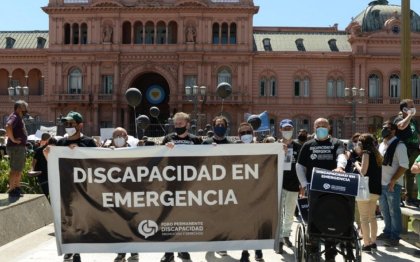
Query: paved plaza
{"points": [[40, 246]]}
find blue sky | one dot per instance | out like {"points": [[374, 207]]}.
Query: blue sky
{"points": [[27, 14]]}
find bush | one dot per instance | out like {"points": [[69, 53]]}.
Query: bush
{"points": [[31, 182]]}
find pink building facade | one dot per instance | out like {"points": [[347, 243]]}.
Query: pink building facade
{"points": [[96, 49]]}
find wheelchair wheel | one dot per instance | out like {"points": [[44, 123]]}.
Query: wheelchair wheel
{"points": [[352, 249], [300, 244]]}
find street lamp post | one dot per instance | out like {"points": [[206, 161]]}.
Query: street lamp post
{"points": [[354, 96], [195, 94], [18, 92]]}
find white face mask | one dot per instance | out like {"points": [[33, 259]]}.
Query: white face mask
{"points": [[119, 141], [246, 138], [287, 134], [71, 131]]}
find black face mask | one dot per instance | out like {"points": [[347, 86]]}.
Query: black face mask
{"points": [[302, 138], [220, 131], [180, 130], [385, 132]]}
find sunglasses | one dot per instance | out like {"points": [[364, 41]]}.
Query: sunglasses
{"points": [[248, 132]]}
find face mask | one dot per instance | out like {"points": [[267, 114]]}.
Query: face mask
{"points": [[220, 131], [246, 139], [119, 141], [321, 133], [71, 131], [385, 132], [287, 134], [180, 130], [302, 138]]}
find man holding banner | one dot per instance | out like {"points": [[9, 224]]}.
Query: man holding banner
{"points": [[180, 137], [73, 123], [324, 152]]}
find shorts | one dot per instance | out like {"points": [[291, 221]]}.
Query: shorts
{"points": [[17, 157]]}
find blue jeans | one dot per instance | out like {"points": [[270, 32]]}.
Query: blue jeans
{"points": [[389, 203]]}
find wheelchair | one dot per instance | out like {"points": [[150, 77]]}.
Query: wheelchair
{"points": [[315, 235]]}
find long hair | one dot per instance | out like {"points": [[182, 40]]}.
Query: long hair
{"points": [[368, 144]]}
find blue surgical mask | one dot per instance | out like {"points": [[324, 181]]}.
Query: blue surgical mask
{"points": [[321, 133]]}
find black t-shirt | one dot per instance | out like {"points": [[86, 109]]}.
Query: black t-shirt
{"points": [[290, 179], [374, 173], [41, 163], [190, 139], [211, 140], [321, 154], [83, 141], [409, 135]]}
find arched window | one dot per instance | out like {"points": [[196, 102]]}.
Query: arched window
{"points": [[232, 33], [75, 34], [394, 86], [374, 86], [415, 86], [337, 126], [273, 86], [84, 34], [225, 28], [335, 88], [126, 33], [341, 85], [161, 33], [301, 87], [67, 34], [172, 33], [75, 81], [138, 33], [150, 33], [263, 87], [216, 29], [224, 75]]}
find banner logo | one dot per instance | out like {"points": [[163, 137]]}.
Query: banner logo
{"points": [[327, 186], [148, 228]]}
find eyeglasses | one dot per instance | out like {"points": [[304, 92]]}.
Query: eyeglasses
{"points": [[248, 132]]}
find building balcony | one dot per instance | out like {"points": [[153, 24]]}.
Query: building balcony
{"points": [[72, 98], [213, 98]]}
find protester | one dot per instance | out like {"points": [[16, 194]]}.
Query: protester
{"points": [[408, 133], [415, 169], [290, 191], [246, 136], [324, 152], [394, 165], [17, 137], [2, 147], [220, 125], [39, 162], [180, 137], [119, 140], [73, 124], [370, 166], [302, 136]]}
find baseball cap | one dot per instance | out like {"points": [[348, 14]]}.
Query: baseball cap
{"points": [[286, 122], [77, 117]]}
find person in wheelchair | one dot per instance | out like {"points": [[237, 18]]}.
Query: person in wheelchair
{"points": [[324, 152]]}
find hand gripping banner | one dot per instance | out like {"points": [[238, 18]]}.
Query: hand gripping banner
{"points": [[155, 199]]}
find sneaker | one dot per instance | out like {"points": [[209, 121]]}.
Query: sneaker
{"points": [[374, 246], [133, 258], [244, 256], [120, 257], [76, 258], [222, 253], [382, 236], [411, 203], [287, 242], [258, 255], [391, 242], [280, 251], [367, 249], [68, 257], [168, 257], [184, 255], [19, 192]]}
